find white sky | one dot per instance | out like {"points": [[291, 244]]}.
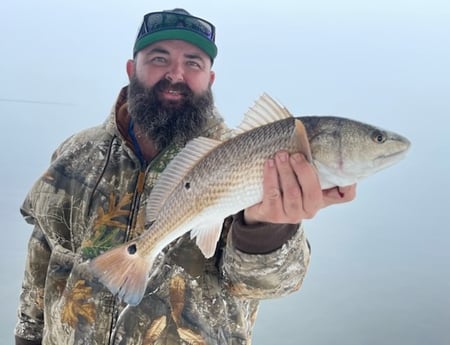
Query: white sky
{"points": [[380, 267]]}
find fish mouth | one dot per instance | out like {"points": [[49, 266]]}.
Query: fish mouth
{"points": [[403, 147], [385, 161], [398, 154]]}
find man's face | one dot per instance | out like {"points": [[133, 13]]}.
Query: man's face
{"points": [[176, 61], [170, 95]]}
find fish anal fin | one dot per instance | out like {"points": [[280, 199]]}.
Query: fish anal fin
{"points": [[123, 271], [301, 136], [206, 237]]}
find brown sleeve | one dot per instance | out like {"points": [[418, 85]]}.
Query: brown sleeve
{"points": [[261, 238]]}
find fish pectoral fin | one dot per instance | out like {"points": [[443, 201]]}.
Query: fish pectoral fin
{"points": [[302, 140], [207, 236]]}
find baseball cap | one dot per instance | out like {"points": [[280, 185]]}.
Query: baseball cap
{"points": [[176, 24]]}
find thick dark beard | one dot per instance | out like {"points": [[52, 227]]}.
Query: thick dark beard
{"points": [[165, 122]]}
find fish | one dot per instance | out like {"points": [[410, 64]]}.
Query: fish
{"points": [[208, 180]]}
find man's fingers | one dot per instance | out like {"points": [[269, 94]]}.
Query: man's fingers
{"points": [[271, 206], [291, 191], [306, 178]]}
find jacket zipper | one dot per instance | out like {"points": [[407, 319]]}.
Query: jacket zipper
{"points": [[129, 232], [135, 204]]}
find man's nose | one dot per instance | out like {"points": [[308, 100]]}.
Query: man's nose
{"points": [[175, 73]]}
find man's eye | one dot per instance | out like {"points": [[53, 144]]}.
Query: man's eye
{"points": [[159, 59], [194, 64]]}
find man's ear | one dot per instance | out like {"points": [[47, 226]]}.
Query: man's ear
{"points": [[212, 77], [130, 68]]}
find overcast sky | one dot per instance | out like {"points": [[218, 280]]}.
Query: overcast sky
{"points": [[380, 271]]}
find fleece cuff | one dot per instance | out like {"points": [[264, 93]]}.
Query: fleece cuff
{"points": [[261, 238]]}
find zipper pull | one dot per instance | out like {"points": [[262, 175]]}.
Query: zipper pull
{"points": [[140, 182]]}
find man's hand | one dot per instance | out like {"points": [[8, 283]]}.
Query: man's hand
{"points": [[291, 192]]}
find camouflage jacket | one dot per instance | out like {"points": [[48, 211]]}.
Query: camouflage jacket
{"points": [[92, 197]]}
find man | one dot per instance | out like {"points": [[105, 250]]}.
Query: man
{"points": [[93, 197]]}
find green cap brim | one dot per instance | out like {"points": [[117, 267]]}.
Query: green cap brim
{"points": [[178, 34]]}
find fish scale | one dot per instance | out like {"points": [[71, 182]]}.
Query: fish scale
{"points": [[210, 180]]}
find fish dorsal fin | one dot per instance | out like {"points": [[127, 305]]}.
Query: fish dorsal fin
{"points": [[175, 171], [265, 110]]}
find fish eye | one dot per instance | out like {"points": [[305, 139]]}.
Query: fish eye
{"points": [[379, 137], [187, 185]]}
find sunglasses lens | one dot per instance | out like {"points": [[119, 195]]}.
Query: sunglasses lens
{"points": [[163, 20]]}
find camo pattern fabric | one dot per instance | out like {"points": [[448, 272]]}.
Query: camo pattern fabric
{"points": [[93, 197]]}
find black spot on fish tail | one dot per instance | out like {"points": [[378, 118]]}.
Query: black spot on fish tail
{"points": [[132, 249]]}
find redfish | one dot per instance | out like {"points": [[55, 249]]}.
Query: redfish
{"points": [[210, 180]]}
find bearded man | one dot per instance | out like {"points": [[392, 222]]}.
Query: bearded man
{"points": [[94, 194]]}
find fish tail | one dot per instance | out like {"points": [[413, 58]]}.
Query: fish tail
{"points": [[123, 271]]}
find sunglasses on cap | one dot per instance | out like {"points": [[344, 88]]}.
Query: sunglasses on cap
{"points": [[156, 21]]}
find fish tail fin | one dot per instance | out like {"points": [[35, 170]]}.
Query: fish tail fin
{"points": [[123, 271]]}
